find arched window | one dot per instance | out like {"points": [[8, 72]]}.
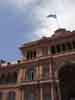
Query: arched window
{"points": [[67, 81], [11, 96]]}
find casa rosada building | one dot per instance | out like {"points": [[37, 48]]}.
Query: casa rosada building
{"points": [[45, 72]]}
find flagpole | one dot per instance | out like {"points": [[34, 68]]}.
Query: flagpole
{"points": [[54, 16], [58, 25]]}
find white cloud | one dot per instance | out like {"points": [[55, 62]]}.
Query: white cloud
{"points": [[35, 12]]}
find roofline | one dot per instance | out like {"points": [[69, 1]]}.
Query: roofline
{"points": [[28, 44]]}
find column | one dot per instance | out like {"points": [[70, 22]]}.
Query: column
{"points": [[50, 72], [18, 94], [52, 88], [39, 52], [24, 74], [69, 46], [49, 51], [61, 48], [72, 45], [4, 96], [37, 72], [41, 71], [41, 93], [64, 47], [59, 92], [20, 75], [22, 95], [52, 92], [53, 81]]}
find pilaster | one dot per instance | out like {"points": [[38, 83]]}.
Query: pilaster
{"points": [[41, 71], [37, 72], [20, 75], [41, 93]]}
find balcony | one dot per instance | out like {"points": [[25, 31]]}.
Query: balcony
{"points": [[44, 79]]}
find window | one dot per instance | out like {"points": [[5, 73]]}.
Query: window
{"points": [[14, 77], [3, 80], [0, 95], [31, 74], [11, 96], [53, 50], [31, 54], [11, 78], [58, 48], [63, 47], [47, 97], [34, 54], [46, 71], [69, 46], [73, 44], [30, 96]]}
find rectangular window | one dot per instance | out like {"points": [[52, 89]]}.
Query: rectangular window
{"points": [[73, 44], [11, 96], [29, 95], [53, 50], [58, 48], [69, 46], [63, 47], [0, 95], [47, 97], [31, 73], [46, 71]]}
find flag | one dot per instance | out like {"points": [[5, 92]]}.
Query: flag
{"points": [[52, 15]]}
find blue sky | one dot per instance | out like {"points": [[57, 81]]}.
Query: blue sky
{"points": [[25, 20]]}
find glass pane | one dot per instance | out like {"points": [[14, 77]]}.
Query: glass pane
{"points": [[11, 96], [0, 96], [47, 97], [58, 48], [53, 50], [63, 47], [31, 96], [73, 44], [31, 75], [46, 71]]}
